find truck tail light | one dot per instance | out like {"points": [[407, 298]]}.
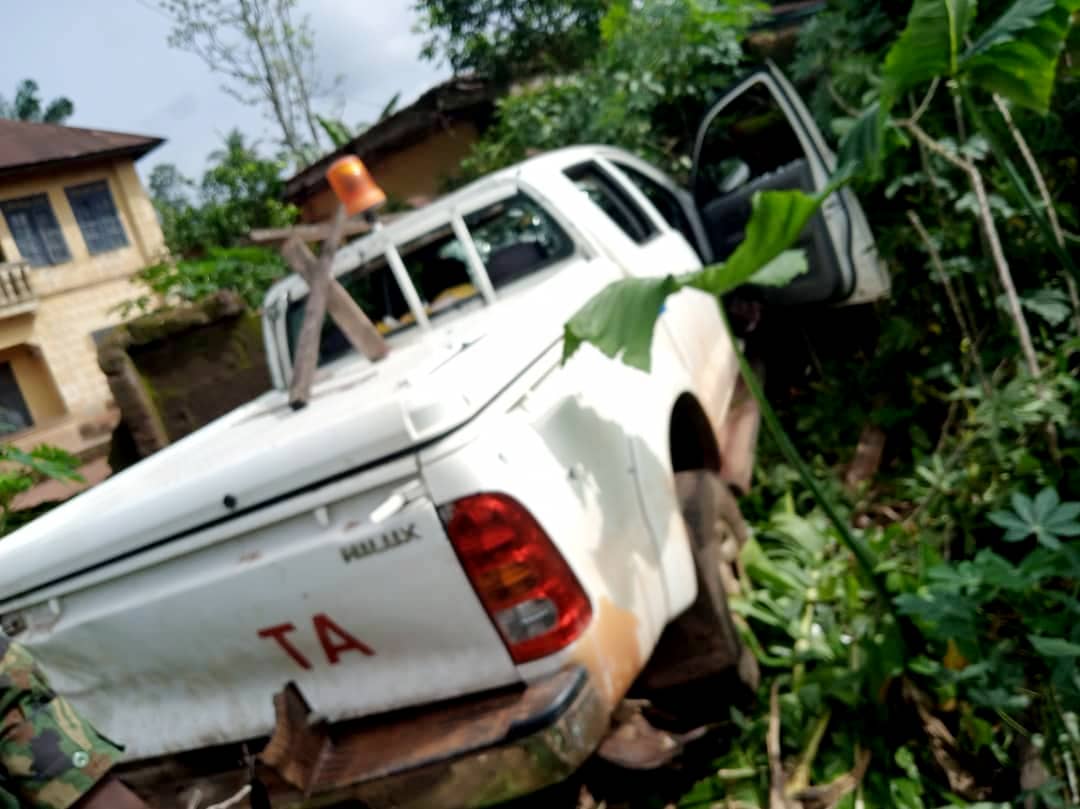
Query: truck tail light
{"points": [[525, 585]]}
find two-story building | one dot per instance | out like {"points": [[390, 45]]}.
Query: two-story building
{"points": [[75, 225]]}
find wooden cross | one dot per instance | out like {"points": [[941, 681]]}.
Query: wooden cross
{"points": [[325, 295]]}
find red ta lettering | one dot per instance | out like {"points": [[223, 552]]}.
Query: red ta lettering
{"points": [[326, 629], [278, 633]]}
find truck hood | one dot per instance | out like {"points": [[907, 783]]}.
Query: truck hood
{"points": [[359, 413]]}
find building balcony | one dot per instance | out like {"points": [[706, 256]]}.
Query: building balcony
{"points": [[17, 295]]}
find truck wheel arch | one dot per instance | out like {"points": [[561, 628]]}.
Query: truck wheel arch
{"points": [[692, 442]]}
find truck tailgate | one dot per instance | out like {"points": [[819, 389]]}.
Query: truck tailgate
{"points": [[362, 617]]}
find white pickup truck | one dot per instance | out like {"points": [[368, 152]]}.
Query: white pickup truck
{"points": [[453, 563]]}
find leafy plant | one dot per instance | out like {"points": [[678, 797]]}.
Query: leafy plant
{"points": [[1045, 517], [650, 77], [206, 227], [620, 320], [247, 271], [21, 470], [989, 660], [505, 39]]}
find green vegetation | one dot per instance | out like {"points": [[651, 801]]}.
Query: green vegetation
{"points": [[645, 88], [206, 226], [919, 632], [20, 471], [28, 106], [509, 39]]}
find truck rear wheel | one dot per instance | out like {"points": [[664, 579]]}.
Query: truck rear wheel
{"points": [[703, 641]]}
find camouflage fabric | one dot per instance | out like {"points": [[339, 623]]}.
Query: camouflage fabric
{"points": [[49, 756]]}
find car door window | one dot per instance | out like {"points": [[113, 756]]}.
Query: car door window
{"points": [[613, 201], [515, 237], [750, 143], [663, 199]]}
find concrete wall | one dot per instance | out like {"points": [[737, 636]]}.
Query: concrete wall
{"points": [[174, 371], [415, 171], [78, 297]]}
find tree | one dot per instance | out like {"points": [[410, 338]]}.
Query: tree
{"points": [[206, 224], [239, 191], [23, 470], [507, 39], [655, 71], [28, 106], [266, 57]]}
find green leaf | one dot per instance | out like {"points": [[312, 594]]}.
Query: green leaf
{"points": [[1017, 55], [1024, 507], [1044, 504], [1052, 305], [776, 220], [1054, 647], [1019, 17], [861, 148], [620, 320], [1046, 517], [1063, 521], [781, 270], [928, 46], [1015, 528], [48, 461]]}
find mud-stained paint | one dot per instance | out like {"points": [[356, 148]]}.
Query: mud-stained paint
{"points": [[610, 651]]}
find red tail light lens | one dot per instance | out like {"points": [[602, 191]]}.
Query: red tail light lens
{"points": [[525, 585]]}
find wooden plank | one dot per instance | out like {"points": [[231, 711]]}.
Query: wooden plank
{"points": [[307, 349], [349, 317]]}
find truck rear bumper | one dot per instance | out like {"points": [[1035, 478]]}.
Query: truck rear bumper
{"points": [[467, 753]]}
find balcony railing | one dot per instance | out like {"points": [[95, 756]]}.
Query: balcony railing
{"points": [[16, 292]]}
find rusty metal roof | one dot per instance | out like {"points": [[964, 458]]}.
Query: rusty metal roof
{"points": [[26, 146]]}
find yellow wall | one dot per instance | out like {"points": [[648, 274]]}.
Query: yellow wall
{"points": [[35, 383], [145, 242], [416, 171], [77, 297]]}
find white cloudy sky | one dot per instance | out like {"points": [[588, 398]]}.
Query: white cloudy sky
{"points": [[111, 58]]}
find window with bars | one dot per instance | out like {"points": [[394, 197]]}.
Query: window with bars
{"points": [[35, 230], [96, 214]]}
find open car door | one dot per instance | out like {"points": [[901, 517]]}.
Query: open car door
{"points": [[760, 136]]}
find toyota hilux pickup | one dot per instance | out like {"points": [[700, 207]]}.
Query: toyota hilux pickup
{"points": [[435, 584]]}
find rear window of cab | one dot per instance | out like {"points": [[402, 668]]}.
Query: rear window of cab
{"points": [[515, 238]]}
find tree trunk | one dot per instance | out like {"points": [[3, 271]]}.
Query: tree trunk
{"points": [[292, 47], [252, 17]]}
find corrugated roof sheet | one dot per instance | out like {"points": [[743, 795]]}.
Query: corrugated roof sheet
{"points": [[25, 145]]}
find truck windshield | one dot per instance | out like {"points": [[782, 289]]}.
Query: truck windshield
{"points": [[515, 237]]}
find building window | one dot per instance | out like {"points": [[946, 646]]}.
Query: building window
{"points": [[14, 414], [36, 232], [96, 214]]}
